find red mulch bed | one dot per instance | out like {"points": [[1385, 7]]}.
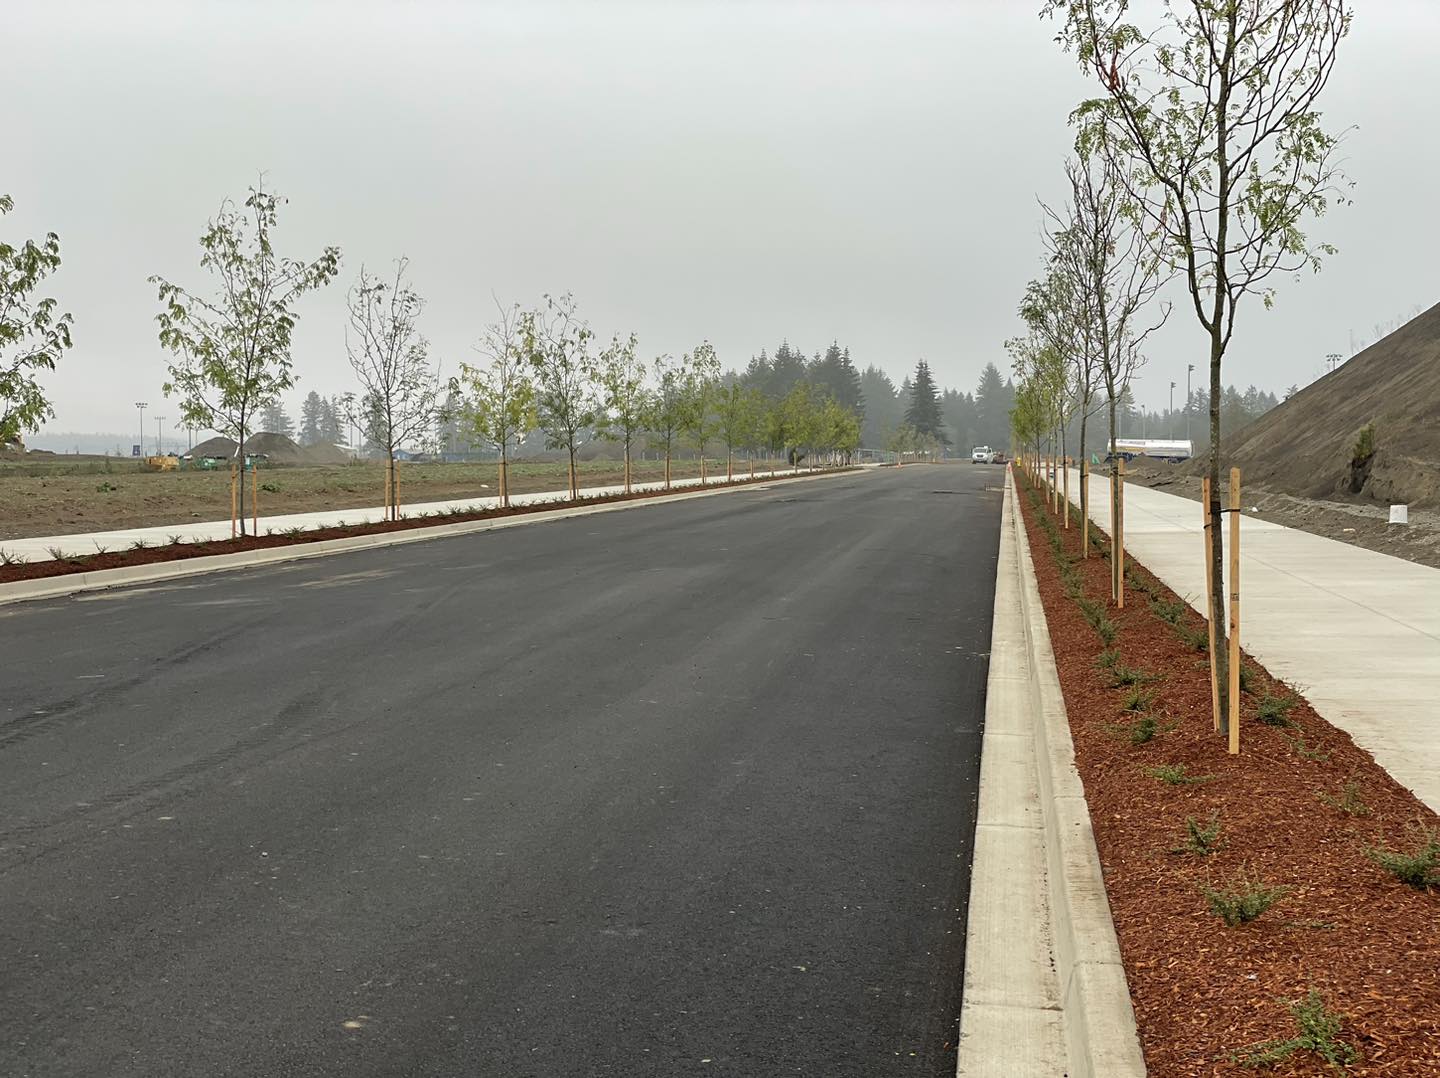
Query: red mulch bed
{"points": [[114, 559], [1369, 944]]}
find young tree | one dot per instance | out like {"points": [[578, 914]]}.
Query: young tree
{"points": [[556, 344], [391, 358], [32, 335], [312, 419], [234, 350], [499, 399], [702, 379], [669, 407], [800, 418], [624, 398], [1209, 116], [735, 414]]}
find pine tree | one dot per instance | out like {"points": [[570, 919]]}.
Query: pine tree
{"points": [[312, 415], [332, 422], [993, 401], [923, 413], [275, 420]]}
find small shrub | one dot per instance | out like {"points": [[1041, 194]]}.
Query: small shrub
{"points": [[106, 488], [1306, 751], [1143, 730], [139, 544], [1107, 659], [1243, 900], [1200, 840], [7, 558], [1176, 775], [1348, 802], [1274, 710], [1168, 612], [1122, 676], [175, 540], [1364, 447], [1097, 618], [56, 553], [1138, 698], [270, 488], [100, 548], [1195, 637], [293, 533], [1421, 869], [1318, 1031]]}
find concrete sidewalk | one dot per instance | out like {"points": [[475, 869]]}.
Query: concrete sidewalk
{"points": [[38, 548], [1357, 632]]}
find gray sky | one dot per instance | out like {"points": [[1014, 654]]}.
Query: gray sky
{"points": [[736, 171]]}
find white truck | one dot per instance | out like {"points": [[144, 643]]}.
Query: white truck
{"points": [[1174, 450], [982, 454]]}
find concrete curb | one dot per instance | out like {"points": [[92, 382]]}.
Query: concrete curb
{"points": [[1045, 991], [74, 583]]}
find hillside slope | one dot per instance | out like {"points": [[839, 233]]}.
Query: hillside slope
{"points": [[1307, 446]]}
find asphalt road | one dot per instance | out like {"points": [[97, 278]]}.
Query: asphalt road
{"points": [[685, 789]]}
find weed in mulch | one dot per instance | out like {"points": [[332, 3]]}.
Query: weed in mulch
{"points": [[1176, 775], [1275, 710], [1243, 900], [1318, 1031], [1347, 801], [1200, 839], [1420, 870]]}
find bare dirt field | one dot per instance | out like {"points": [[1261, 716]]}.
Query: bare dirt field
{"points": [[1359, 522], [60, 495]]}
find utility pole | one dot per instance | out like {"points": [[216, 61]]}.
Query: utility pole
{"points": [[142, 406], [160, 435], [1170, 419]]}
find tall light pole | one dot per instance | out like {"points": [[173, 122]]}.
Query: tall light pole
{"points": [[1188, 372], [1170, 419], [142, 406], [159, 434]]}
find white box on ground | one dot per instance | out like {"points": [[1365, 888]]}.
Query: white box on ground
{"points": [[1399, 514]]}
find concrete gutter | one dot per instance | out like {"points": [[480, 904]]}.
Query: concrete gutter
{"points": [[74, 583], [1045, 992]]}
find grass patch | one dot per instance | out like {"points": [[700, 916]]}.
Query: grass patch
{"points": [[1200, 839], [1243, 900], [1420, 870], [1317, 1031]]}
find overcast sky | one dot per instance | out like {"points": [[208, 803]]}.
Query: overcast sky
{"points": [[742, 172]]}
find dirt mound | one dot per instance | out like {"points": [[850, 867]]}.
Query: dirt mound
{"points": [[223, 448], [275, 448], [324, 453], [1316, 444]]}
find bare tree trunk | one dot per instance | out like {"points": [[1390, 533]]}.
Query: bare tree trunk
{"points": [[1115, 580], [1217, 553]]}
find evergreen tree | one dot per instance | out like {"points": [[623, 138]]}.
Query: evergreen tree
{"points": [[959, 412], [993, 400], [884, 410], [923, 413], [787, 370], [312, 416], [332, 422], [275, 420]]}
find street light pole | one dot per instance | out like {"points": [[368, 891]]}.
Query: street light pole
{"points": [[1188, 371], [142, 406], [159, 434], [1170, 419]]}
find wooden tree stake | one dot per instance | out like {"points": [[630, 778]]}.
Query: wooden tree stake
{"points": [[1234, 611], [1084, 508], [234, 504], [1066, 465], [1120, 533], [387, 488], [1209, 585], [255, 497]]}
